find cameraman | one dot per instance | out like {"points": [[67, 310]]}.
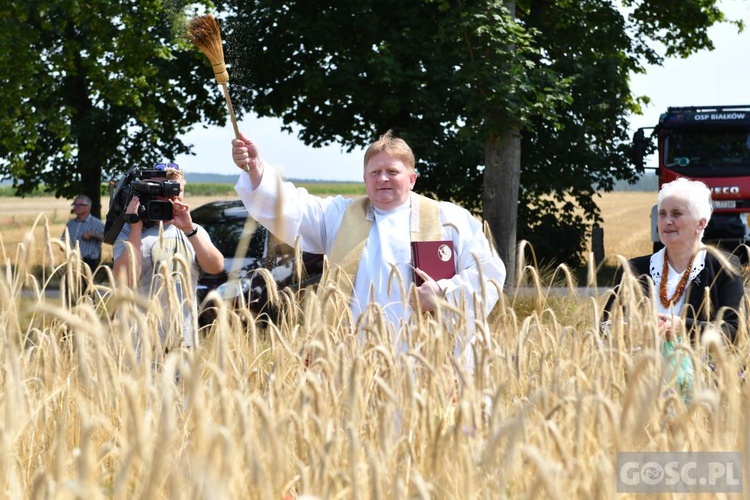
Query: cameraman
{"points": [[154, 254]]}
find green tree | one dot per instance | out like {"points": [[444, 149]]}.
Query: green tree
{"points": [[92, 88], [524, 102]]}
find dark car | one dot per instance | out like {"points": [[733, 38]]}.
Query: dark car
{"points": [[247, 246]]}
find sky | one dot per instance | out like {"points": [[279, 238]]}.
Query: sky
{"points": [[708, 78]]}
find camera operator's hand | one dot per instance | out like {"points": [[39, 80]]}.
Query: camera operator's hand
{"points": [[181, 215], [123, 268], [209, 257], [132, 208]]}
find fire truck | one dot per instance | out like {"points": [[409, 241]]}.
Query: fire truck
{"points": [[710, 144]]}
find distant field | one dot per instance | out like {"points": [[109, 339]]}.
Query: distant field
{"points": [[627, 223]]}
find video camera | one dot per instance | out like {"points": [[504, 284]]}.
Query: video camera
{"points": [[141, 183]]}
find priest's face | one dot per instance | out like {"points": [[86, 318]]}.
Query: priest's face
{"points": [[388, 181]]}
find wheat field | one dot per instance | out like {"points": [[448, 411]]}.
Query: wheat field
{"points": [[627, 223], [308, 407]]}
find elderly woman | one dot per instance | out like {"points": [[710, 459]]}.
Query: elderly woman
{"points": [[683, 270]]}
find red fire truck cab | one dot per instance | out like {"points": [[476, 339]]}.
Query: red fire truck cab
{"points": [[710, 144]]}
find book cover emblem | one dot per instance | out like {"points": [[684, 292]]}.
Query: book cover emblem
{"points": [[435, 258], [444, 253]]}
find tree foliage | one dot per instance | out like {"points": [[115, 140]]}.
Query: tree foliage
{"points": [[461, 81], [461, 76], [92, 88], [348, 71]]}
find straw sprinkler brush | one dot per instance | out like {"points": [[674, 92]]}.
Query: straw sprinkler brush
{"points": [[205, 33]]}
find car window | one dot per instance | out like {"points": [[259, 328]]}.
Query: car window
{"points": [[225, 222], [227, 235]]}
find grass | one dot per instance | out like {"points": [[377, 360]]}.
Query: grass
{"points": [[304, 408], [330, 188]]}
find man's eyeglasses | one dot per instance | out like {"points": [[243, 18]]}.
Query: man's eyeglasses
{"points": [[164, 166], [80, 205]]}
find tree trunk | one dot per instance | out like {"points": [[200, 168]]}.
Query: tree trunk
{"points": [[502, 177], [91, 178], [91, 157], [89, 126]]}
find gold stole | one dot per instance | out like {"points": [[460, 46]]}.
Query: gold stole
{"points": [[351, 238]]}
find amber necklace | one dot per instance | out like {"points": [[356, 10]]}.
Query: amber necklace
{"points": [[666, 302]]}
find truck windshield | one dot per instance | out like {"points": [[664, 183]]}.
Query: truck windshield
{"points": [[723, 147]]}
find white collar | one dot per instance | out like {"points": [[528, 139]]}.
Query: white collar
{"points": [[657, 264], [410, 203]]}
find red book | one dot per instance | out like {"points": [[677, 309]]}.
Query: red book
{"points": [[434, 258]]}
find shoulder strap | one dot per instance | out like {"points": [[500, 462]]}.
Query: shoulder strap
{"points": [[351, 238], [348, 245], [352, 235], [425, 219]]}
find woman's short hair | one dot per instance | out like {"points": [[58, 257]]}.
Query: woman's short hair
{"points": [[696, 193], [173, 175], [394, 147]]}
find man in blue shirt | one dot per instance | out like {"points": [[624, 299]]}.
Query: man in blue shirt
{"points": [[86, 231]]}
